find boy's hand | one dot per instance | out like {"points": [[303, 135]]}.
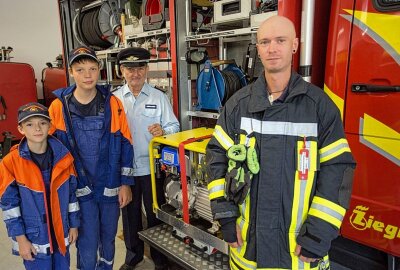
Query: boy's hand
{"points": [[124, 195], [25, 248], [72, 235], [155, 130]]}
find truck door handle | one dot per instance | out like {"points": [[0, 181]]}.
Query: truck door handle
{"points": [[363, 88]]}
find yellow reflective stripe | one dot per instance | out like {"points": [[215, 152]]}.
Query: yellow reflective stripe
{"points": [[217, 194], [222, 137], [243, 223], [328, 211], [241, 261], [301, 199], [333, 150], [331, 205], [216, 182], [313, 156], [247, 141], [216, 188], [328, 218]]}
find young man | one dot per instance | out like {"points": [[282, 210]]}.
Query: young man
{"points": [[288, 212], [149, 114], [37, 194], [91, 122]]}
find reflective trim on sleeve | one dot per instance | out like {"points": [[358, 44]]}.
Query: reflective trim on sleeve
{"points": [[125, 171], [66, 241], [44, 249], [12, 213], [279, 128], [107, 262], [83, 191], [333, 150], [73, 207], [216, 188], [327, 210], [222, 137], [110, 192]]}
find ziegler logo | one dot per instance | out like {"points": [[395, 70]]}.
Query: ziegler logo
{"points": [[359, 222]]}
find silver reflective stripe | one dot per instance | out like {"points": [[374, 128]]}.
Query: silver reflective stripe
{"points": [[39, 248], [12, 213], [127, 171], [278, 128], [335, 149], [66, 241], [73, 207], [83, 191], [107, 262], [327, 210], [110, 192], [216, 189]]}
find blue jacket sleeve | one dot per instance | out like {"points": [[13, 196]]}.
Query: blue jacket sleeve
{"points": [[10, 201], [73, 209]]}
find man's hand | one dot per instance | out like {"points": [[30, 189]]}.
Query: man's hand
{"points": [[72, 235], [124, 195], [25, 248], [302, 258], [155, 130], [239, 242]]}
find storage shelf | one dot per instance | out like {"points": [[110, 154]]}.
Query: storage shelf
{"points": [[226, 33], [149, 33]]}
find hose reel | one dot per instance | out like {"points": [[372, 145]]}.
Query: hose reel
{"points": [[98, 25], [215, 87]]}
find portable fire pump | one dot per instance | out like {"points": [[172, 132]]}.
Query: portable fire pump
{"points": [[187, 209]]}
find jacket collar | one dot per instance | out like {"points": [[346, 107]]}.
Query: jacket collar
{"points": [[62, 92], [59, 150], [145, 90], [259, 96]]}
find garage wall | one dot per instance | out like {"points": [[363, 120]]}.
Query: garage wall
{"points": [[32, 29]]}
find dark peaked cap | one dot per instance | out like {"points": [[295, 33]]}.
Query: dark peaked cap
{"points": [[133, 57]]}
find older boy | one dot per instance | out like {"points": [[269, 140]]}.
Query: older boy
{"points": [[91, 122], [37, 194]]}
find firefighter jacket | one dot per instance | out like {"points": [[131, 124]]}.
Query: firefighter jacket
{"points": [[303, 188], [23, 198], [115, 154]]}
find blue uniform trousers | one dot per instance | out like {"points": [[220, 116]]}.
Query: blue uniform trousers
{"points": [[99, 222], [55, 261]]}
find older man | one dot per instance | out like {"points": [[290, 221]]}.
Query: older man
{"points": [[149, 114]]}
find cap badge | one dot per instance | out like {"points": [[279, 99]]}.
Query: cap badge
{"points": [[132, 58]]}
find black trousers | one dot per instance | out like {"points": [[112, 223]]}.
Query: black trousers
{"points": [[132, 220]]}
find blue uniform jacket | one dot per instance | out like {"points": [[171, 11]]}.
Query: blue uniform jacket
{"points": [[23, 198], [114, 166]]}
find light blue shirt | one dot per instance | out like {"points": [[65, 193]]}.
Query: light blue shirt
{"points": [[150, 107]]}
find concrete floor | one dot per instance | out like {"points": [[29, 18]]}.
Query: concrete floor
{"points": [[9, 261]]}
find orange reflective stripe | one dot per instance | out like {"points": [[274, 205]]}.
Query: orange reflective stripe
{"points": [[118, 119]]}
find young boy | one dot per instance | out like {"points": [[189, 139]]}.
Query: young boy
{"points": [[91, 122], [37, 194]]}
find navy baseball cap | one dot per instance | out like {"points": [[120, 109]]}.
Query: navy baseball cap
{"points": [[133, 57], [81, 51], [32, 109]]}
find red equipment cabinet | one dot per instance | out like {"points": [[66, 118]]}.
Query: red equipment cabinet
{"points": [[17, 87], [53, 79]]}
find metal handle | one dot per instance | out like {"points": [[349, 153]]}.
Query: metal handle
{"points": [[363, 88]]}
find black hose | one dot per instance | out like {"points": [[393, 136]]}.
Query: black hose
{"points": [[232, 84]]}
